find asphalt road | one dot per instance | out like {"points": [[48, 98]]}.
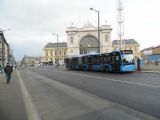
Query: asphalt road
{"points": [[133, 94]]}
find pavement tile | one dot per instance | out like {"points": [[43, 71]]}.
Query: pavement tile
{"points": [[11, 101]]}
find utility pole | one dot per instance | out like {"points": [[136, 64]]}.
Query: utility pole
{"points": [[57, 51], [120, 21], [99, 50]]}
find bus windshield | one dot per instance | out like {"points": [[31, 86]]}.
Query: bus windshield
{"points": [[128, 58]]}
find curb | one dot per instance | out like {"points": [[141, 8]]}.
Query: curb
{"points": [[30, 108], [151, 71]]}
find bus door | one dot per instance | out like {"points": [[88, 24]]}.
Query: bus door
{"points": [[115, 61]]}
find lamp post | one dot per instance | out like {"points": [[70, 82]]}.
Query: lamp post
{"points": [[98, 28], [57, 53]]}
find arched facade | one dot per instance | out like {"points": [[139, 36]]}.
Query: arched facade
{"points": [[88, 44], [84, 40]]}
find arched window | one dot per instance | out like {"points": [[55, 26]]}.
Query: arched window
{"points": [[71, 51], [59, 52], [88, 44], [106, 38], [71, 40]]}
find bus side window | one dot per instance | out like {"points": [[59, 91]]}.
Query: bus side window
{"points": [[117, 58], [84, 60], [93, 60], [101, 59], [89, 60], [113, 61], [96, 60], [107, 59]]}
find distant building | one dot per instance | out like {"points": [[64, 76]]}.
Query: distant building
{"points": [[151, 55], [53, 52], [31, 61], [4, 50], [85, 40], [11, 59], [127, 44]]}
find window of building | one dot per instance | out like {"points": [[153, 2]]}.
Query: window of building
{"points": [[71, 51], [71, 40], [106, 50], [135, 48], [88, 44], [57, 52], [51, 52], [106, 38], [60, 52], [46, 53]]}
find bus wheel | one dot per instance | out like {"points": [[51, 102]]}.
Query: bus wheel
{"points": [[107, 70]]}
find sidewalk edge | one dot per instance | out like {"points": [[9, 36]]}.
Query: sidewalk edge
{"points": [[30, 108], [150, 71]]}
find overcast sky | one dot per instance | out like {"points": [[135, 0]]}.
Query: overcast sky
{"points": [[32, 22]]}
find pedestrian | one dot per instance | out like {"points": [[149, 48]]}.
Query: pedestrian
{"points": [[138, 63], [156, 62], [8, 71], [1, 69]]}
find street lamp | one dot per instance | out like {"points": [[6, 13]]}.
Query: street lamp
{"points": [[57, 53], [98, 28]]}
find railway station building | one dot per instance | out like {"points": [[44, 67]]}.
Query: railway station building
{"points": [[85, 40]]}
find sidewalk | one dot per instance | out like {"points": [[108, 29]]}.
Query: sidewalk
{"points": [[151, 68], [11, 100]]}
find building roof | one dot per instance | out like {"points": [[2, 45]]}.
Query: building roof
{"points": [[54, 45], [125, 41], [2, 38], [150, 48]]}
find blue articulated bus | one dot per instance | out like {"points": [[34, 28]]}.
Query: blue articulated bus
{"points": [[115, 61]]}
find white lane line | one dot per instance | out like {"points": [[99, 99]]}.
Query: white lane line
{"points": [[84, 97], [156, 78], [30, 108], [115, 80]]}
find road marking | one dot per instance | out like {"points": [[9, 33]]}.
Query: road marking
{"points": [[115, 80], [30, 108], [156, 78], [86, 98], [94, 102]]}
